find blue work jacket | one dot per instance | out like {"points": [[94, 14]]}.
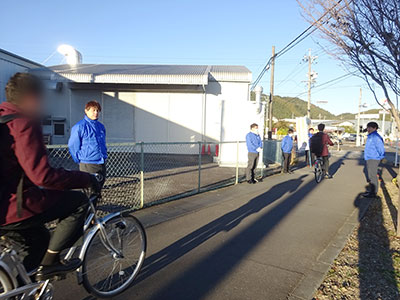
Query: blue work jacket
{"points": [[374, 147], [287, 144], [87, 143], [253, 142]]}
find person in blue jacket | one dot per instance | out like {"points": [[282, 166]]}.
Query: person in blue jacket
{"points": [[287, 146], [87, 143], [374, 152], [310, 157], [254, 147]]}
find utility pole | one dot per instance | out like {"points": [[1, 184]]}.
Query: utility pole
{"points": [[358, 119], [271, 94], [312, 76]]}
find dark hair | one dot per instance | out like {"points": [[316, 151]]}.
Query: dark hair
{"points": [[290, 131], [94, 104], [373, 125], [253, 125], [311, 129], [321, 127], [22, 84]]}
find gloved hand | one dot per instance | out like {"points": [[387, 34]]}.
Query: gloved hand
{"points": [[95, 180], [259, 150]]}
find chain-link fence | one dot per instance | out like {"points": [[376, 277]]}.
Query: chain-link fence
{"points": [[141, 174]]}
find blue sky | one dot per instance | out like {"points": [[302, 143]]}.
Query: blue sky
{"points": [[179, 32]]}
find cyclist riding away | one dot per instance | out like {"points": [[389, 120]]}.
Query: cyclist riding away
{"points": [[31, 192], [319, 146]]}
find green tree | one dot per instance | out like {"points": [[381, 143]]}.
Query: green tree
{"points": [[282, 127], [349, 129]]}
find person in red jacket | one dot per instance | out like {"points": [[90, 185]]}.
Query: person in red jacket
{"points": [[325, 152], [33, 193]]}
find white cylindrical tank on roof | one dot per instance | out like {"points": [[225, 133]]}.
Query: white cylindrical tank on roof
{"points": [[73, 56]]}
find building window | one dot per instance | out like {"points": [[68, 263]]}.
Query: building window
{"points": [[46, 121], [59, 128]]}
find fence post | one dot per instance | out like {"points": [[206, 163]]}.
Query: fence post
{"points": [[199, 179], [262, 160], [141, 175], [237, 163]]}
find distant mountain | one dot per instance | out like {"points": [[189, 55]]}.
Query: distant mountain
{"points": [[346, 116], [289, 107], [350, 116]]}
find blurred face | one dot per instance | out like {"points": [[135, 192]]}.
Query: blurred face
{"points": [[92, 113], [31, 104], [371, 129], [254, 129], [311, 131]]}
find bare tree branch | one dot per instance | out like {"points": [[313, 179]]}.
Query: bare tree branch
{"points": [[366, 36]]}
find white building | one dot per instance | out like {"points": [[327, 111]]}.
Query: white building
{"points": [[149, 103], [11, 64], [152, 103]]}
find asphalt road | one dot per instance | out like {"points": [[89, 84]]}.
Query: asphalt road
{"points": [[272, 240]]}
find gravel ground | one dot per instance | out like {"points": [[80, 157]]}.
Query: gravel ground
{"points": [[369, 265]]}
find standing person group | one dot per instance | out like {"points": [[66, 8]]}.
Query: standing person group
{"points": [[319, 146], [374, 152], [287, 146], [254, 147]]}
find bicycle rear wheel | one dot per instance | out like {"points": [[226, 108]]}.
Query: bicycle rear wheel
{"points": [[104, 273], [319, 173]]}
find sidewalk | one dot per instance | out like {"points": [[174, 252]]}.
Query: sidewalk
{"points": [[272, 240]]}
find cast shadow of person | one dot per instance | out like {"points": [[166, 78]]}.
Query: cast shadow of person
{"points": [[227, 222], [377, 276], [334, 168]]}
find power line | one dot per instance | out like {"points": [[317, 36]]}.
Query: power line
{"points": [[304, 34], [294, 42], [292, 74], [335, 80]]}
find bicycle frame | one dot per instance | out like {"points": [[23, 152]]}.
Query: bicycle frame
{"points": [[12, 265], [318, 159], [98, 225]]}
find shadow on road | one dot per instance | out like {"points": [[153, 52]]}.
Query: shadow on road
{"points": [[377, 275], [389, 203], [207, 273], [226, 222], [334, 168]]}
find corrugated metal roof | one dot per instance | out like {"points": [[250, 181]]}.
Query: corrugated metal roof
{"points": [[149, 74], [18, 59], [230, 73]]}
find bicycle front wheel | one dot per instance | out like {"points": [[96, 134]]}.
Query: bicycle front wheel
{"points": [[106, 274]]}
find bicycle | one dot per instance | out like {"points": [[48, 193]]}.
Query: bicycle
{"points": [[112, 254], [319, 169]]}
